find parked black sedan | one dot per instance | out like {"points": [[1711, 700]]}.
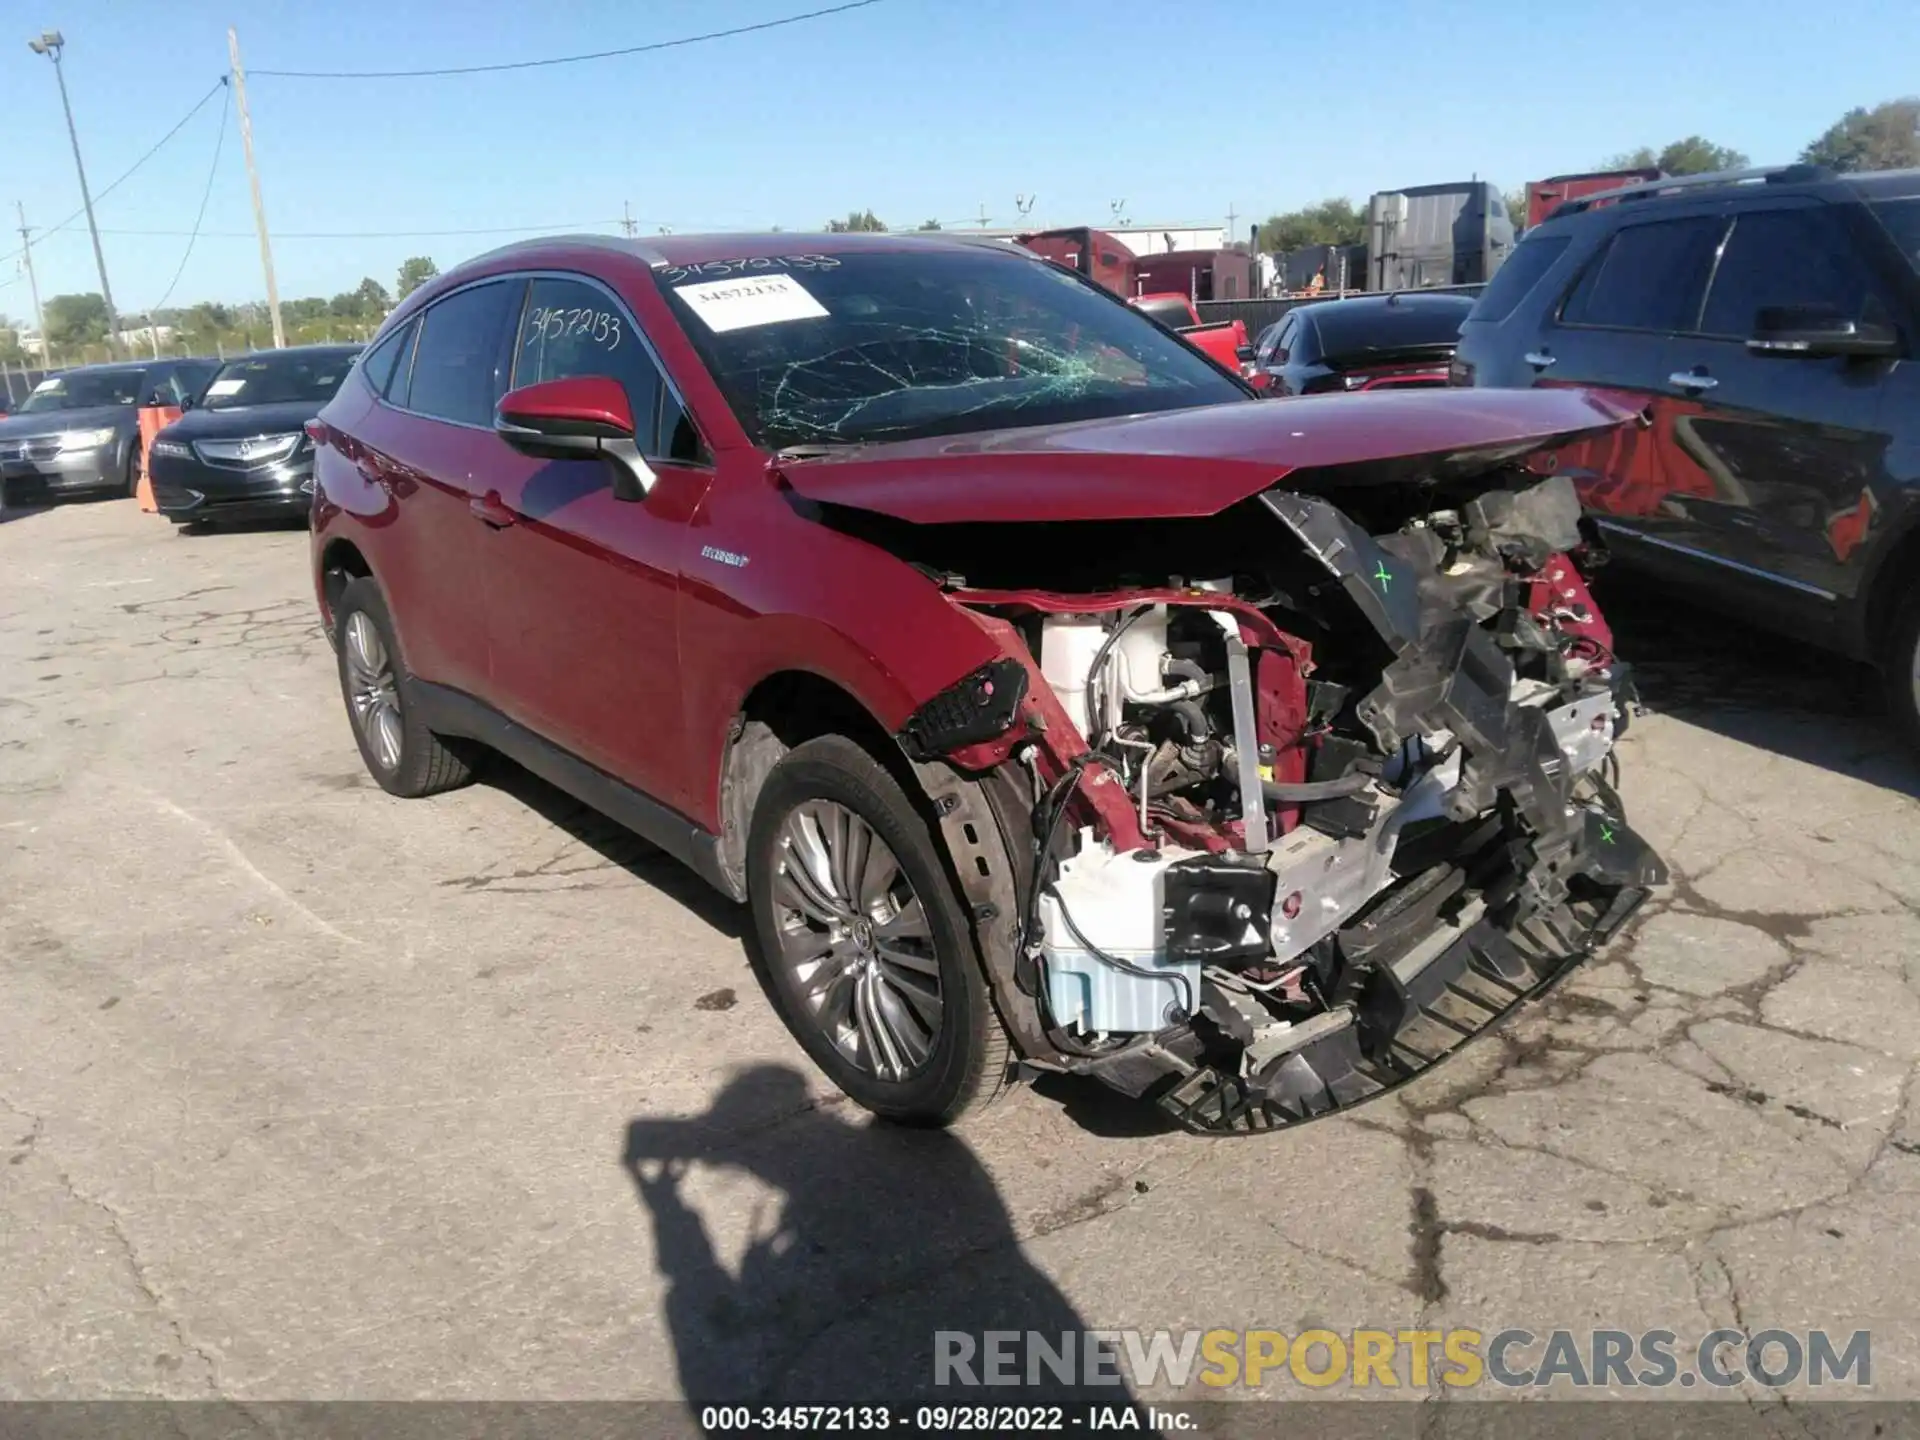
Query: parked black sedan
{"points": [[242, 453], [79, 431], [1370, 342]]}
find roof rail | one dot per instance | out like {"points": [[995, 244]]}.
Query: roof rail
{"points": [[1688, 184]]}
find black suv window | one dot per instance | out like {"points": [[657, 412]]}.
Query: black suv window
{"points": [[1514, 281], [1649, 277], [573, 328], [457, 367], [1782, 257], [1902, 219]]}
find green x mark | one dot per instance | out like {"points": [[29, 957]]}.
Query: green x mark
{"points": [[1383, 575], [1606, 834]]}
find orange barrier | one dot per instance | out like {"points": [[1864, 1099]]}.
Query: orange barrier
{"points": [[153, 419]]}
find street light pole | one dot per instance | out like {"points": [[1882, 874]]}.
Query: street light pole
{"points": [[253, 179], [33, 285], [49, 44]]}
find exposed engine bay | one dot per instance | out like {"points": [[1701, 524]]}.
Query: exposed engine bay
{"points": [[1298, 828]]}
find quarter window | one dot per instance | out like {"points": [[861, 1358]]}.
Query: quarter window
{"points": [[456, 371], [1649, 277], [377, 368], [1514, 280], [1780, 258], [571, 328]]}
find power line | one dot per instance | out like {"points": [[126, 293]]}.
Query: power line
{"points": [[128, 174], [373, 234], [569, 59], [219, 141]]}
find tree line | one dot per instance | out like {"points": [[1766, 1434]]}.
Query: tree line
{"points": [[1885, 137], [77, 324]]}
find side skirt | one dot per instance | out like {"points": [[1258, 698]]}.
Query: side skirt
{"points": [[454, 712]]}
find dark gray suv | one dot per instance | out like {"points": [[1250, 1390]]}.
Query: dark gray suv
{"points": [[79, 432], [1765, 323]]}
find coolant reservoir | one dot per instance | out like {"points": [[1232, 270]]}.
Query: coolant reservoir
{"points": [[1068, 644]]}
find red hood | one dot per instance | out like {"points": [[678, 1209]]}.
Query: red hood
{"points": [[1197, 462]]}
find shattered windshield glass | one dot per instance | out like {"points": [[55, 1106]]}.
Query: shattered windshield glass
{"points": [[894, 345]]}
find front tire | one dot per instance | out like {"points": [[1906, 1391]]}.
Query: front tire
{"points": [[864, 946], [400, 752]]}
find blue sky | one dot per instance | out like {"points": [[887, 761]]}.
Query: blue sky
{"points": [[918, 108]]}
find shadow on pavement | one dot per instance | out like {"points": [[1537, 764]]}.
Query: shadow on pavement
{"points": [[612, 841], [883, 1236], [1734, 679], [10, 513]]}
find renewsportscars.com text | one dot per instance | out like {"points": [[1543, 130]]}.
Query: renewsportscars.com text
{"points": [[1390, 1359]]}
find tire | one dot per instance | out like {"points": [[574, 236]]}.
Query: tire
{"points": [[401, 753], [860, 1005], [133, 469], [1900, 669]]}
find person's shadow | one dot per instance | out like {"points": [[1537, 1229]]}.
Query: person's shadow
{"points": [[885, 1238]]}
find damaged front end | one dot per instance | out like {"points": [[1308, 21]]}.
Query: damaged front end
{"points": [[1288, 833]]}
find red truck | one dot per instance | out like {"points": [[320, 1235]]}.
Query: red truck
{"points": [[1544, 196], [1112, 266]]}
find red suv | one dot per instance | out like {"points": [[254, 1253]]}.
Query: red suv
{"points": [[1047, 698]]}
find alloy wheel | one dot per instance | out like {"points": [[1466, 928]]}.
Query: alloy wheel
{"points": [[856, 941], [373, 693]]}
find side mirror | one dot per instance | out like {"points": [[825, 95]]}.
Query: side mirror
{"points": [[579, 418], [186, 403], [1817, 332], [1244, 354]]}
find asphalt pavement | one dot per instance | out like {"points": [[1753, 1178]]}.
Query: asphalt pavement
{"points": [[308, 1092]]}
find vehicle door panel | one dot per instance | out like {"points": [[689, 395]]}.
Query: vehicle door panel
{"points": [[583, 587], [1612, 332], [422, 451], [1778, 458]]}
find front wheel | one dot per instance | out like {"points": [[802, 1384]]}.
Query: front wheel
{"points": [[864, 947]]}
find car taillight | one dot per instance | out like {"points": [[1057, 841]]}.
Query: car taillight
{"points": [[1459, 372]]}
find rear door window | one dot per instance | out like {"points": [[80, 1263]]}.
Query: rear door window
{"points": [[1780, 258], [1649, 277], [457, 370]]}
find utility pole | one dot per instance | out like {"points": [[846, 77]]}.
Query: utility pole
{"points": [[1232, 215], [626, 219], [253, 178], [983, 214], [50, 43], [33, 285]]}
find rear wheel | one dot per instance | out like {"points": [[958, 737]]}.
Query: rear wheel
{"points": [[864, 946], [400, 752], [133, 468]]}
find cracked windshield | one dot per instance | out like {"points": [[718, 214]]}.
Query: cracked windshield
{"points": [[894, 345]]}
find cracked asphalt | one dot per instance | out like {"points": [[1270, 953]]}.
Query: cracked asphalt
{"points": [[307, 1092]]}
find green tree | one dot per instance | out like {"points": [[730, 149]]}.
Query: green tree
{"points": [[1331, 222], [76, 320], [1695, 155], [1887, 137], [1517, 208], [366, 301], [11, 351], [857, 222], [414, 273], [929, 224]]}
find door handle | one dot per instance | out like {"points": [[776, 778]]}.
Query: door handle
{"points": [[490, 509], [1539, 359], [1694, 382]]}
